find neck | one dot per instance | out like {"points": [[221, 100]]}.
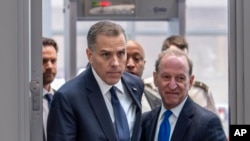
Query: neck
{"points": [[47, 87]]}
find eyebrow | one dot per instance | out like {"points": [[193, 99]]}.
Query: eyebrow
{"points": [[104, 50]]}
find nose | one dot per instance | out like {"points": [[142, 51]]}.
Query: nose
{"points": [[172, 84], [115, 61], [130, 63], [49, 64]]}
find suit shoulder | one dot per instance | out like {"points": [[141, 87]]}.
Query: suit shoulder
{"points": [[201, 85], [146, 116], [132, 78], [126, 74], [73, 85], [202, 111]]}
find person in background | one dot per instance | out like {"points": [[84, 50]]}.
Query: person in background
{"points": [[178, 118], [49, 55], [199, 91], [103, 102], [135, 65]]}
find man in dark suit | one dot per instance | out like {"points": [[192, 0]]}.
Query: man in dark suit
{"points": [[199, 92], [83, 109], [135, 65], [49, 55], [179, 117]]}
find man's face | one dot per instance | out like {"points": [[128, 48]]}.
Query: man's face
{"points": [[49, 64], [173, 80], [109, 57], [135, 59]]}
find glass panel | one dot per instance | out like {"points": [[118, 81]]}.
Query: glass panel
{"points": [[152, 26], [206, 18], [60, 79], [82, 59], [57, 18], [207, 27], [152, 47]]}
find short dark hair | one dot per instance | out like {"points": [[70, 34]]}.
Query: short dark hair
{"points": [[176, 52], [107, 28], [176, 40], [50, 42]]}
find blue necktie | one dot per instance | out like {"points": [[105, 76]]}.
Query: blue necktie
{"points": [[121, 122], [164, 132], [49, 97]]}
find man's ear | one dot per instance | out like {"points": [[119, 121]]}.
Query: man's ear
{"points": [[89, 54], [191, 81], [155, 78]]}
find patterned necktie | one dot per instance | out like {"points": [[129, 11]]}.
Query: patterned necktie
{"points": [[49, 97], [121, 122], [164, 132]]}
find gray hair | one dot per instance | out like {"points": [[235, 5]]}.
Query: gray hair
{"points": [[107, 28], [176, 52]]}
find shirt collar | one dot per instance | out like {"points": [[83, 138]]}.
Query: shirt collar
{"points": [[50, 91], [175, 111], [104, 86]]}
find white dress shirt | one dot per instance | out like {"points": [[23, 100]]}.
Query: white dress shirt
{"points": [[124, 98], [46, 110], [172, 119]]}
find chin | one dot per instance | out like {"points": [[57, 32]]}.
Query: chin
{"points": [[112, 81]]}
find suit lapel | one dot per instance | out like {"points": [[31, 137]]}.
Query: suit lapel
{"points": [[151, 125], [136, 97], [99, 106], [183, 122], [132, 90]]}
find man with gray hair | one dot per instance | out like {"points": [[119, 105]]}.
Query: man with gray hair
{"points": [[103, 102], [199, 91], [179, 118]]}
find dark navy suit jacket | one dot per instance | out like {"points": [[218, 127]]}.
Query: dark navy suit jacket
{"points": [[79, 113], [194, 124]]}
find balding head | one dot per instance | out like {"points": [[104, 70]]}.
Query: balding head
{"points": [[131, 44], [135, 58]]}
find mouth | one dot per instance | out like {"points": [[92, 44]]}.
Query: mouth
{"points": [[114, 73], [48, 74], [171, 93]]}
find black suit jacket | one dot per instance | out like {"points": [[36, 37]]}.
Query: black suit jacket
{"points": [[194, 124], [79, 113]]}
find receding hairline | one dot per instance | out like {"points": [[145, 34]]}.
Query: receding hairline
{"points": [[105, 27], [134, 44], [174, 52]]}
